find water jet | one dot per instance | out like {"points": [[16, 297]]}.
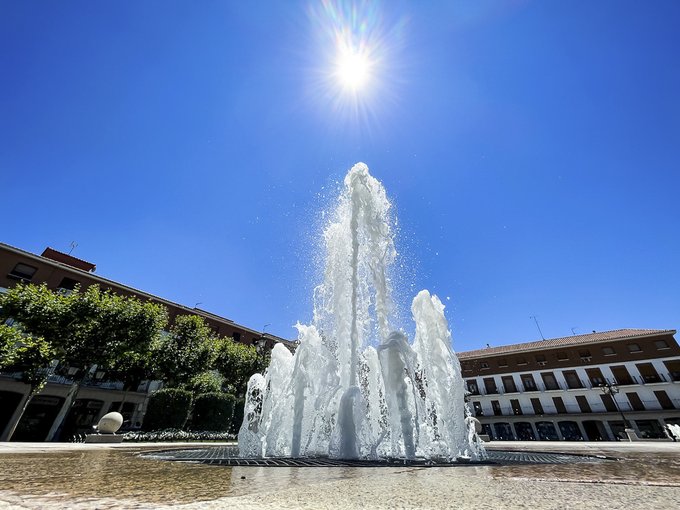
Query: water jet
{"points": [[356, 388]]}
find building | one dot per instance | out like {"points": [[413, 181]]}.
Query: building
{"points": [[61, 271], [577, 388]]}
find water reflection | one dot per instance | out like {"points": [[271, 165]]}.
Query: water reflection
{"points": [[122, 475], [662, 468]]}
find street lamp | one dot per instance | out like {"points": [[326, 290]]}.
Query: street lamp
{"points": [[259, 344], [612, 389]]}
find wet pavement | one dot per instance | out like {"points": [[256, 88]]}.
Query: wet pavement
{"points": [[647, 475]]}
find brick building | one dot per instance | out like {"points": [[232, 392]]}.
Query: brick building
{"points": [[61, 271], [576, 388]]}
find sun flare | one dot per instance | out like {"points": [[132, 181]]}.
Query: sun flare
{"points": [[353, 70]]}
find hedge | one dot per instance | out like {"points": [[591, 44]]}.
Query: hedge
{"points": [[168, 408], [237, 418], [213, 411]]}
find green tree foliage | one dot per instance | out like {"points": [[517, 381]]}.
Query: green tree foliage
{"points": [[23, 353], [113, 331], [187, 350], [168, 408], [237, 362], [213, 411], [10, 339], [206, 382], [41, 313], [90, 327]]}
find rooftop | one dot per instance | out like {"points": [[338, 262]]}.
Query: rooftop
{"points": [[76, 265], [567, 341]]}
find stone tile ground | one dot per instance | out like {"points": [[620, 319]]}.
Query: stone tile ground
{"points": [[54, 476]]}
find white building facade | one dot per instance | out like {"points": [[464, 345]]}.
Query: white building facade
{"points": [[585, 387]]}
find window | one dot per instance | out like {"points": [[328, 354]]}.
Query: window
{"points": [[540, 359], [650, 429], [524, 431], [570, 431], [528, 382], [236, 337], [516, 408], [664, 400], [546, 431], [608, 402], [573, 381], [509, 384], [583, 404], [502, 363], [496, 406], [549, 381], [621, 375], [22, 272], [68, 283], [608, 351], [648, 372], [661, 345], [595, 376], [635, 401], [559, 405], [504, 432], [562, 356], [634, 348], [585, 355], [521, 360], [536, 404], [472, 387], [484, 365], [478, 409], [673, 367], [490, 386]]}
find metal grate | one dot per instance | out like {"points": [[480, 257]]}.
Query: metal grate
{"points": [[228, 456]]}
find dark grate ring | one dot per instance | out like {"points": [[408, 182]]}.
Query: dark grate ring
{"points": [[228, 456]]}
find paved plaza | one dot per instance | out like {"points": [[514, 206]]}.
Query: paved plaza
{"points": [[83, 476]]}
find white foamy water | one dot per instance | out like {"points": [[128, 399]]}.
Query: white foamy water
{"points": [[355, 387]]}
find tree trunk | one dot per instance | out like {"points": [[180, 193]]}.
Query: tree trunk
{"points": [[122, 401], [55, 430], [12, 425]]}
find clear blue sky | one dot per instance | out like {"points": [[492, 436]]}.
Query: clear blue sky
{"points": [[532, 149]]}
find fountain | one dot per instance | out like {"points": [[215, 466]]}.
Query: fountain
{"points": [[355, 388]]}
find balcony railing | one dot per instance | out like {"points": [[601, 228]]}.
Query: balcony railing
{"points": [[585, 384]]}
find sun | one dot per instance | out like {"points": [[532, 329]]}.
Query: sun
{"points": [[353, 69]]}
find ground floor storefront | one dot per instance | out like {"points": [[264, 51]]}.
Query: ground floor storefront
{"points": [[582, 427], [35, 421]]}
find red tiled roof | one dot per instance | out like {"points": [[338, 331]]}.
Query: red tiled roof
{"points": [[67, 259], [567, 341]]}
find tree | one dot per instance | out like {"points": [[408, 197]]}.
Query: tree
{"points": [[30, 356], [237, 362], [41, 313], [187, 350], [27, 354], [91, 329], [210, 381]]}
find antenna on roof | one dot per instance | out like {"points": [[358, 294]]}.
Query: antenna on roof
{"points": [[573, 331], [537, 326], [73, 245]]}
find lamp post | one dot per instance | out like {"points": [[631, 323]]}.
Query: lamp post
{"points": [[259, 344], [612, 389]]}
